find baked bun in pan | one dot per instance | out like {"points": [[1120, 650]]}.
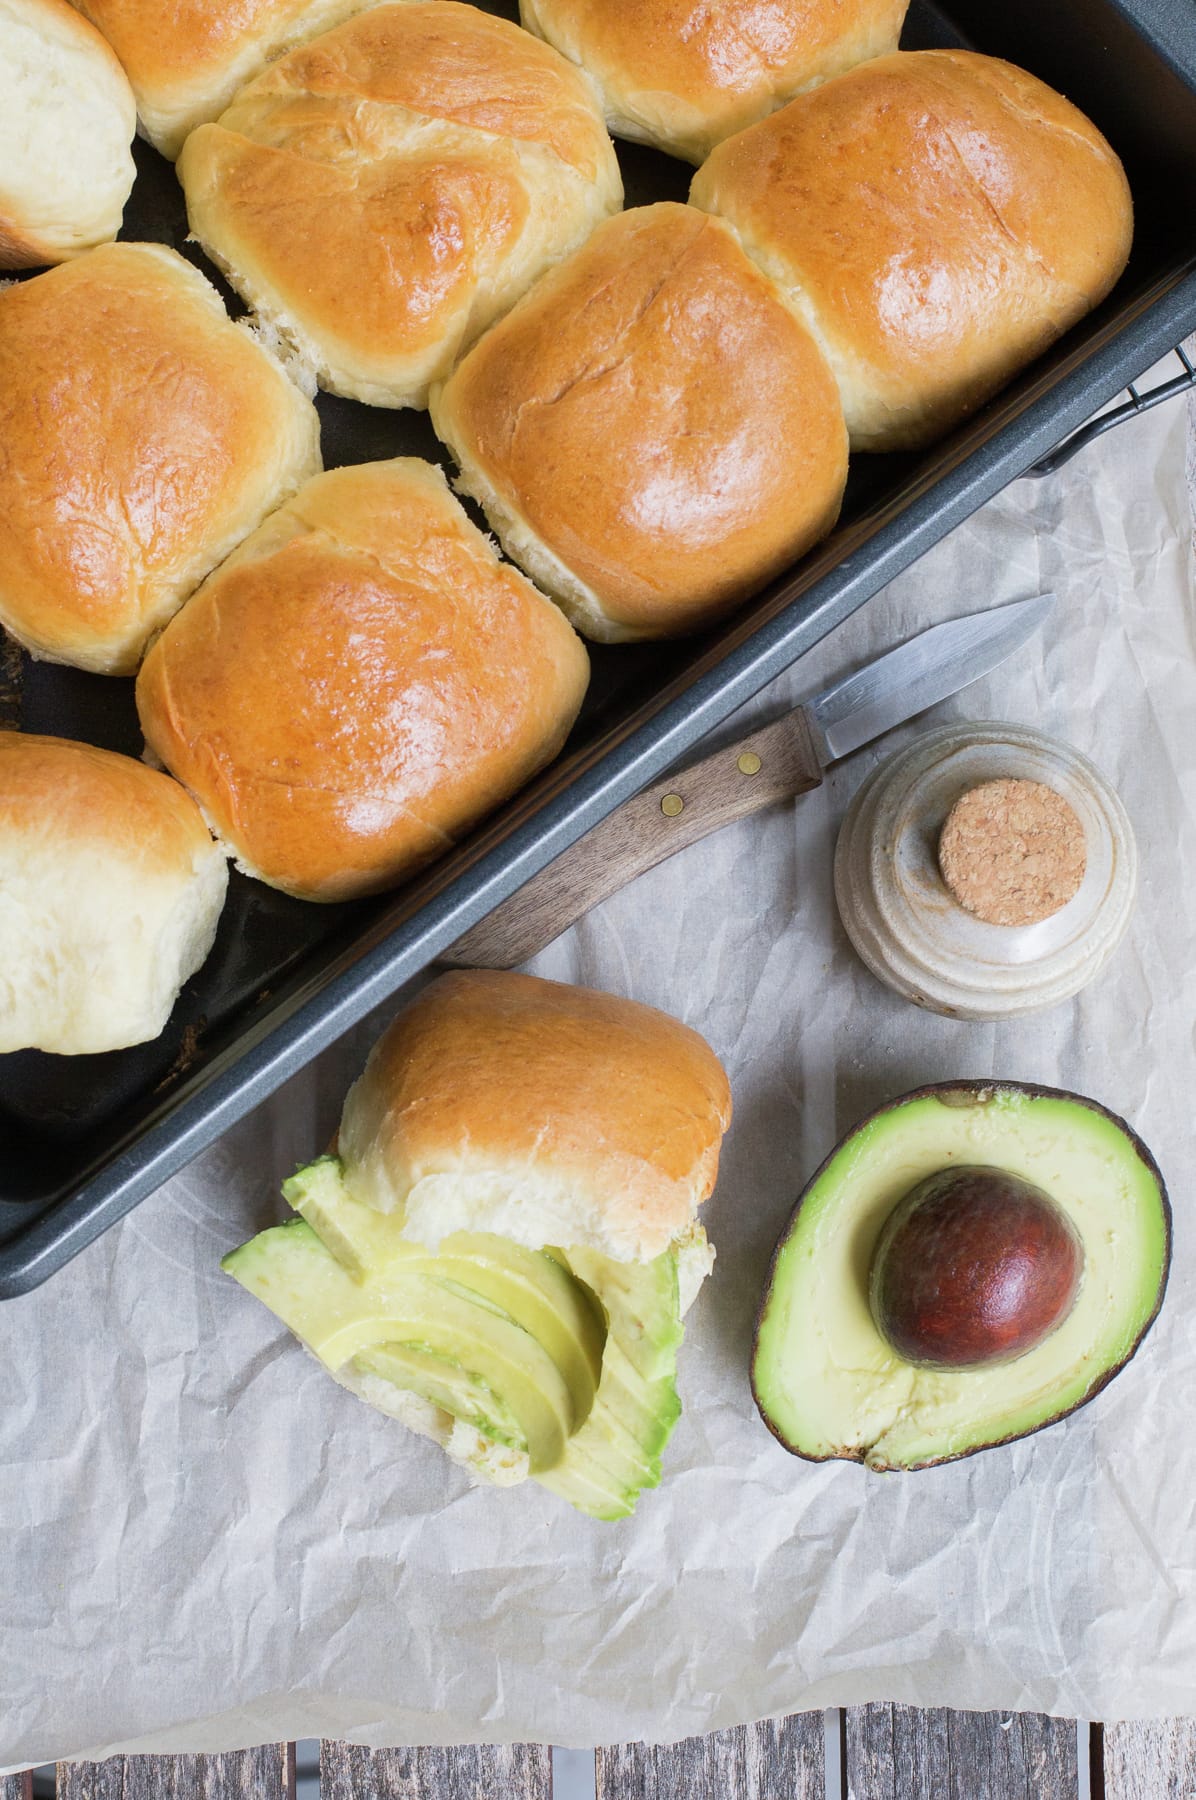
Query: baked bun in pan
{"points": [[186, 60], [502, 1250], [652, 432], [144, 435], [359, 683], [110, 893], [383, 193], [67, 120], [683, 74], [938, 218]]}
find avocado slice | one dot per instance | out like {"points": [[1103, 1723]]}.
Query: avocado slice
{"points": [[561, 1354], [338, 1318], [530, 1287], [617, 1452], [827, 1383], [442, 1382]]}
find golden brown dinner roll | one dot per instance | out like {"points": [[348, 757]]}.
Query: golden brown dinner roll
{"points": [[359, 683], [683, 74], [938, 218], [546, 1114], [187, 60], [110, 892], [502, 1252], [144, 435], [66, 123], [383, 193], [652, 432]]}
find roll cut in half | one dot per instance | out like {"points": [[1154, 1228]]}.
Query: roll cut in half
{"points": [[67, 120], [652, 432], [187, 60], [359, 683], [683, 75], [381, 194], [144, 435], [110, 893], [939, 218], [501, 1251]]}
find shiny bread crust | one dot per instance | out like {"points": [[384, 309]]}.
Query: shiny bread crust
{"points": [[545, 1113], [938, 218]]}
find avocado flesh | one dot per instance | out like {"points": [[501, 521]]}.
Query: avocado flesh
{"points": [[529, 1286], [825, 1380], [363, 1297], [463, 1393], [338, 1318], [617, 1453]]}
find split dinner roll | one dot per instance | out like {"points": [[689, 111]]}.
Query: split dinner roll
{"points": [[143, 436], [683, 74], [359, 684], [110, 893], [383, 193], [501, 1253], [938, 217], [652, 432], [67, 120], [544, 1113], [186, 60]]}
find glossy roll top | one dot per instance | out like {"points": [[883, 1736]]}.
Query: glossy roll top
{"points": [[144, 435], [187, 60], [386, 191], [939, 218], [359, 683], [546, 1114], [683, 75], [652, 432]]}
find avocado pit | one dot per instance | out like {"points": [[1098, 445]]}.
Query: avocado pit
{"points": [[974, 1267]]}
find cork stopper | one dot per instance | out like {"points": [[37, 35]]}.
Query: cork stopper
{"points": [[1012, 852]]}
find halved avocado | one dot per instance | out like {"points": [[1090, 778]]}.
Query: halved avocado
{"points": [[826, 1381]]}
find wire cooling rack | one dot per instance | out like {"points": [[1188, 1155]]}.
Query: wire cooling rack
{"points": [[1134, 403]]}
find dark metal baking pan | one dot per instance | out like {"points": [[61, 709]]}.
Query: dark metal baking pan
{"points": [[83, 1139]]}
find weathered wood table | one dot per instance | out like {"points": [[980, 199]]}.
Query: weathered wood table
{"points": [[863, 1753]]}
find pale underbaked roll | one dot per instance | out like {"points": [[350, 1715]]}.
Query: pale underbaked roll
{"points": [[502, 1251], [683, 74], [382, 194], [143, 436], [187, 60], [67, 120], [359, 683], [652, 432], [110, 893], [938, 217]]}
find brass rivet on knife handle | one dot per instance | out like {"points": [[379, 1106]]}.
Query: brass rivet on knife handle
{"points": [[784, 762]]}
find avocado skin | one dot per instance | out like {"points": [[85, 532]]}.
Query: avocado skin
{"points": [[967, 1092]]}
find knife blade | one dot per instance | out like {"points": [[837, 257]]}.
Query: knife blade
{"points": [[775, 762]]}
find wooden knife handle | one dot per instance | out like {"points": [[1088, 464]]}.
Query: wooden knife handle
{"points": [[772, 764]]}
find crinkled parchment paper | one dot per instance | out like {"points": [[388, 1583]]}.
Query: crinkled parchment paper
{"points": [[207, 1543]]}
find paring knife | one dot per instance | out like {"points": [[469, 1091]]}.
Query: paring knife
{"points": [[774, 763]]}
